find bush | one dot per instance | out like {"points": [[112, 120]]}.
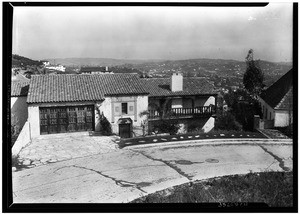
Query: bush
{"points": [[288, 130], [167, 126], [227, 122], [105, 126]]}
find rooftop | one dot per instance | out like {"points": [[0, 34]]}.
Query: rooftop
{"points": [[280, 94], [161, 87], [83, 87], [19, 88]]}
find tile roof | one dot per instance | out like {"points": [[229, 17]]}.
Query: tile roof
{"points": [[280, 94], [19, 88], [83, 87], [161, 87]]}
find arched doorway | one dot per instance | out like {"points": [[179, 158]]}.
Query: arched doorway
{"points": [[125, 127]]}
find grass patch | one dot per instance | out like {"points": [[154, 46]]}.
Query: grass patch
{"points": [[273, 188]]}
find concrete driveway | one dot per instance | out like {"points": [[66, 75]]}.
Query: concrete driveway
{"points": [[57, 147], [127, 174]]}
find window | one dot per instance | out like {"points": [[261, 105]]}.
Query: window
{"points": [[124, 108], [270, 116]]}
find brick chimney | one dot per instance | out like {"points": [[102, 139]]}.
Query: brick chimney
{"points": [[177, 82]]}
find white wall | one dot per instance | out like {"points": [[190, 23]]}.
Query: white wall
{"points": [[282, 118], [19, 111], [108, 107], [22, 141], [209, 125], [34, 120], [264, 106], [177, 82]]}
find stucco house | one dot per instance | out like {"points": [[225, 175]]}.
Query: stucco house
{"points": [[18, 105], [277, 101], [74, 102], [191, 101]]}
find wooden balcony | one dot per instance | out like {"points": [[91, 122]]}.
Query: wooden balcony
{"points": [[203, 111]]}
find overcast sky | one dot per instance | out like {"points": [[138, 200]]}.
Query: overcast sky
{"points": [[154, 32]]}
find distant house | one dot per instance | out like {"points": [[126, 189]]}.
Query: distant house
{"points": [[94, 70], [56, 67], [45, 62], [19, 111], [277, 101], [74, 103]]}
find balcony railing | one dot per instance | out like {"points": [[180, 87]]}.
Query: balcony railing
{"points": [[183, 112]]}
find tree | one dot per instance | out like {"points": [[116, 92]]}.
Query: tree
{"points": [[228, 122], [253, 77], [243, 107]]}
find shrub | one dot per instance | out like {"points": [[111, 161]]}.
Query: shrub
{"points": [[288, 130], [227, 122], [105, 126], [167, 126]]}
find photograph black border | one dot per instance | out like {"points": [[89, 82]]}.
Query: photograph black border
{"points": [[7, 203]]}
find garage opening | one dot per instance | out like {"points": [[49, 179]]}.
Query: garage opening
{"points": [[66, 119]]}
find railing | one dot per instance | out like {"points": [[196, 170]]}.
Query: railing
{"points": [[183, 112]]}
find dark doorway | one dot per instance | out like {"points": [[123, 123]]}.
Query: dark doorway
{"points": [[125, 128]]}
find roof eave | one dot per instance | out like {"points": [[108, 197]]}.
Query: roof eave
{"points": [[185, 95]]}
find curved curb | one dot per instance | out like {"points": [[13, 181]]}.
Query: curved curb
{"points": [[215, 142]]}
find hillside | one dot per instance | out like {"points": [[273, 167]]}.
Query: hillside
{"points": [[21, 61]]}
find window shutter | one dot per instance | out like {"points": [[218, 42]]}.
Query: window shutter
{"points": [[131, 108], [117, 109]]}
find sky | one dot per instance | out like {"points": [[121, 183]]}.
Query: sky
{"points": [[154, 32]]}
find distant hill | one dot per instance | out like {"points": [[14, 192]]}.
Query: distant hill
{"points": [[96, 61], [192, 67], [21, 61], [204, 67], [160, 68]]}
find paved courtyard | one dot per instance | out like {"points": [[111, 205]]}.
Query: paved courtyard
{"points": [[132, 172], [59, 147]]}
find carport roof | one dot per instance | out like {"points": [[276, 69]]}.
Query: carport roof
{"points": [[19, 88], [83, 87]]}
